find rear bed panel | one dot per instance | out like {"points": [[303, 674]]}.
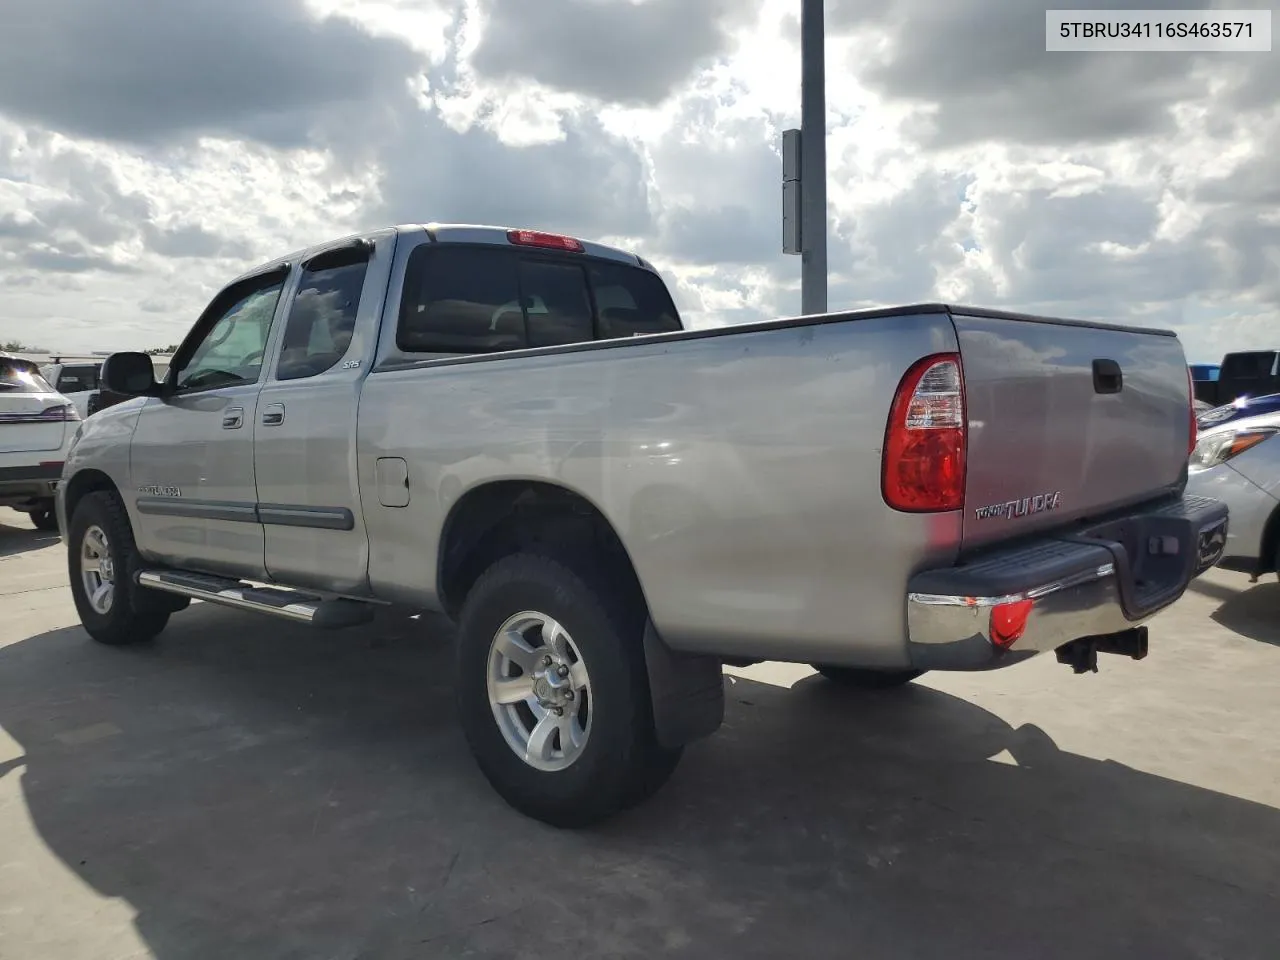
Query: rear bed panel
{"points": [[1045, 447]]}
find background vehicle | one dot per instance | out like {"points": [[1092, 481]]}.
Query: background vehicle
{"points": [[80, 381], [1238, 409], [1237, 461], [513, 428], [1248, 372], [34, 434], [1204, 380]]}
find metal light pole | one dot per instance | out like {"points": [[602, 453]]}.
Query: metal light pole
{"points": [[804, 165], [813, 157]]}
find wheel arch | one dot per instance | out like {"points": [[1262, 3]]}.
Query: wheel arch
{"points": [[83, 483], [501, 517]]}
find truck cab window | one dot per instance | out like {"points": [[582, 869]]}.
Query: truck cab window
{"points": [[560, 290], [231, 351], [77, 379], [486, 300], [631, 301], [461, 300], [322, 319]]}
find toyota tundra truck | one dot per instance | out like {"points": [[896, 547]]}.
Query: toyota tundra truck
{"points": [[513, 428]]}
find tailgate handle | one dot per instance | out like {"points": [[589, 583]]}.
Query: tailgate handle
{"points": [[1107, 377]]}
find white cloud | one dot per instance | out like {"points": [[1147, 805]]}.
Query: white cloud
{"points": [[965, 162]]}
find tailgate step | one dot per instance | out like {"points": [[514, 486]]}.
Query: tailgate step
{"points": [[276, 601]]}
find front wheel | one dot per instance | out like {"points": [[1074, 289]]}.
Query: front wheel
{"points": [[101, 560], [553, 693], [867, 679]]}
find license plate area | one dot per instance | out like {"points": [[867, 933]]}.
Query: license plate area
{"points": [[1156, 556]]}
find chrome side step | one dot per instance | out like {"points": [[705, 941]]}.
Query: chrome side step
{"points": [[275, 601]]}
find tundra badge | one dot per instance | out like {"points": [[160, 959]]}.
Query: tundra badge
{"points": [[159, 490], [1014, 509]]}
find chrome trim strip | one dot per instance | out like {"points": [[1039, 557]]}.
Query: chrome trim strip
{"points": [[1086, 576]]}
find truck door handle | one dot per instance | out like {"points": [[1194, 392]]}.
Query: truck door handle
{"points": [[273, 415], [1107, 377], [233, 419]]}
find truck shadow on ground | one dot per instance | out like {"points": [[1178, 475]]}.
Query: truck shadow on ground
{"points": [[255, 790], [1252, 612], [19, 537]]}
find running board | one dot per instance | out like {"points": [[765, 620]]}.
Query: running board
{"points": [[276, 601]]}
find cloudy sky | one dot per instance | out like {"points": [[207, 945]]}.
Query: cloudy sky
{"points": [[152, 149]]}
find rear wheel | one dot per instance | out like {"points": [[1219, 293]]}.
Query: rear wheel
{"points": [[102, 559], [553, 692], [44, 517], [867, 679]]}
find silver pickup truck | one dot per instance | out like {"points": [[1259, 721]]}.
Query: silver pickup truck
{"points": [[513, 428]]}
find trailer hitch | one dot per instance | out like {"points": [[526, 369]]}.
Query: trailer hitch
{"points": [[1082, 654]]}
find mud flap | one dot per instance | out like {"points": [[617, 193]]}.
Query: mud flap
{"points": [[687, 692]]}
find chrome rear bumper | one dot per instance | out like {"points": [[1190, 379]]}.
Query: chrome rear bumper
{"points": [[1013, 603]]}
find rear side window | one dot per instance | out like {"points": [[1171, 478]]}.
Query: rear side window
{"points": [[461, 300], [322, 319], [488, 299], [631, 301]]}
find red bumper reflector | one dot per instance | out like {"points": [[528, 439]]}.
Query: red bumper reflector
{"points": [[1009, 622]]}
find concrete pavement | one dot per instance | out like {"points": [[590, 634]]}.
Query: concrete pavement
{"points": [[248, 789]]}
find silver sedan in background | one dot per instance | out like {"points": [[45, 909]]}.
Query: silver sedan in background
{"points": [[1239, 464]]}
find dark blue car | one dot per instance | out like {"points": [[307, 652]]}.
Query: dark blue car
{"points": [[1239, 408]]}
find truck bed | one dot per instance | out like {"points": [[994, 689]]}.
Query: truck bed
{"points": [[741, 466]]}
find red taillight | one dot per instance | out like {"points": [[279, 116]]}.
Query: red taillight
{"points": [[924, 445], [1191, 390], [551, 241], [61, 413], [1009, 622]]}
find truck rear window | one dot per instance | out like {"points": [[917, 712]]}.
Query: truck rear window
{"points": [[1256, 364], [460, 299], [631, 301], [78, 378]]}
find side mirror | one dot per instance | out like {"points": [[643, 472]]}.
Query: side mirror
{"points": [[131, 374]]}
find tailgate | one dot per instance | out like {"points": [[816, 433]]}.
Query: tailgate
{"points": [[25, 429], [1053, 435]]}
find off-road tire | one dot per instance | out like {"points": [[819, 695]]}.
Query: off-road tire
{"points": [[621, 763], [136, 615], [867, 679]]}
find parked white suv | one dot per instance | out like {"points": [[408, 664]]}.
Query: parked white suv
{"points": [[36, 427]]}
